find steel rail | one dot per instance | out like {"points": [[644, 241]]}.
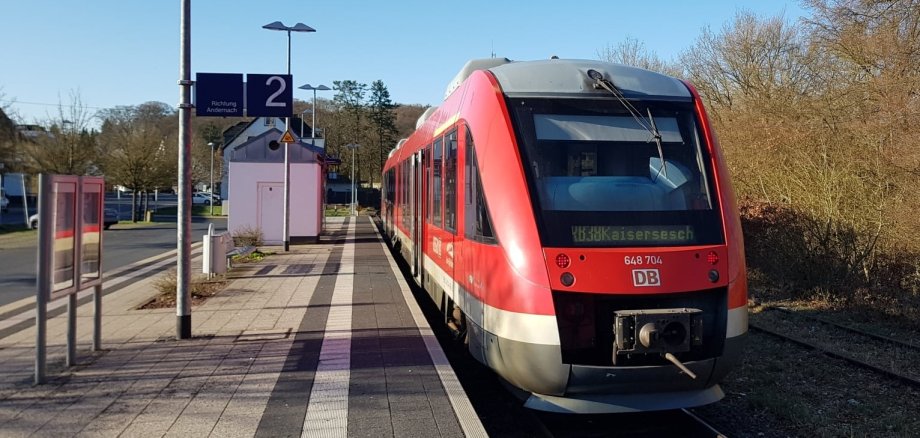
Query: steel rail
{"points": [[886, 372], [848, 328]]}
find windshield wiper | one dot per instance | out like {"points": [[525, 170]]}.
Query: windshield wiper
{"points": [[649, 124]]}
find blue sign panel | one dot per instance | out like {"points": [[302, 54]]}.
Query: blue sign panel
{"points": [[269, 95], [219, 94]]}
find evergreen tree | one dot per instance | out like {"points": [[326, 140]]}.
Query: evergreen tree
{"points": [[383, 120]]}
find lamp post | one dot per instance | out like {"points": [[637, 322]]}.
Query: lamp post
{"points": [[312, 127], [301, 120], [299, 27], [354, 197], [211, 185]]}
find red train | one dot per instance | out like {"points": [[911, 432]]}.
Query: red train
{"points": [[575, 223]]}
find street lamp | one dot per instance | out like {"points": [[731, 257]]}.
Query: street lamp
{"points": [[211, 186], [299, 27], [313, 127], [354, 197]]}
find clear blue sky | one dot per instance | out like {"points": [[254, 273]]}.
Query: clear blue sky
{"points": [[126, 52]]}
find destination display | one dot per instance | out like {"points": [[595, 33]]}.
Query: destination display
{"points": [[620, 235]]}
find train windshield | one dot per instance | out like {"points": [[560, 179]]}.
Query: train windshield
{"points": [[598, 178]]}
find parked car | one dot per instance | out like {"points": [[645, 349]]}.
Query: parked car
{"points": [[202, 198], [109, 218]]}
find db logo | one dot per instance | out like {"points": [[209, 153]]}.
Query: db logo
{"points": [[646, 277]]}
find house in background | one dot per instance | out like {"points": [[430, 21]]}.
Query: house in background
{"points": [[253, 183]]}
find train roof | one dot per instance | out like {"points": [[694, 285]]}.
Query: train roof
{"points": [[570, 76], [565, 77]]}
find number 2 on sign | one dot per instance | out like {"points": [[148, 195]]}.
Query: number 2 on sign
{"points": [[281, 86]]}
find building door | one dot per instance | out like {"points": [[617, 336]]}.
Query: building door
{"points": [[271, 212]]}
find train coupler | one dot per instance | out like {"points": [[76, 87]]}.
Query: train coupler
{"points": [[657, 331]]}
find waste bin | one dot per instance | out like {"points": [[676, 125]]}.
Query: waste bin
{"points": [[214, 255]]}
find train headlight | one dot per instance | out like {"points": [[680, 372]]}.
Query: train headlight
{"points": [[567, 279], [713, 276]]}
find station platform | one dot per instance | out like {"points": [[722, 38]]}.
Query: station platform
{"points": [[323, 340]]}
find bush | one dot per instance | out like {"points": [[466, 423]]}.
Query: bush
{"points": [[791, 252], [247, 236], [200, 288]]}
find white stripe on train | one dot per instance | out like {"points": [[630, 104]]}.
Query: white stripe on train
{"points": [[541, 329]]}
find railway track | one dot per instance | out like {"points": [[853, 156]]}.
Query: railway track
{"points": [[908, 380], [910, 345]]}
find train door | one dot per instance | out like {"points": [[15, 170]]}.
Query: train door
{"points": [[451, 149], [417, 212]]}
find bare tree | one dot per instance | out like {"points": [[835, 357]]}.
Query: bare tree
{"points": [[633, 52], [822, 118], [68, 147], [764, 60]]}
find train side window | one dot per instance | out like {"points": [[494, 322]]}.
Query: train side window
{"points": [[450, 181], [478, 221], [437, 183], [402, 194]]}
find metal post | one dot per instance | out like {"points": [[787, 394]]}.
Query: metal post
{"points": [[287, 166], [97, 316], [287, 194], [45, 271], [313, 126], [25, 200], [211, 187], [184, 217], [353, 197], [71, 358]]}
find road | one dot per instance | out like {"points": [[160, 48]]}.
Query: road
{"points": [[14, 214], [121, 246]]}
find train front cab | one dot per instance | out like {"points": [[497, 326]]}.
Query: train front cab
{"points": [[643, 251]]}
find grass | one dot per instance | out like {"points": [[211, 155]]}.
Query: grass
{"points": [[336, 211], [197, 210], [255, 256], [17, 236]]}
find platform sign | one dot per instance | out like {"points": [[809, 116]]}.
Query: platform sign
{"points": [[70, 226], [93, 194], [269, 95], [64, 239], [219, 95]]}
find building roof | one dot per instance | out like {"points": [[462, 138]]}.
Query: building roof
{"points": [[230, 134]]}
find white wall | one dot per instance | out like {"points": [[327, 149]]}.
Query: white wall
{"points": [[247, 210]]}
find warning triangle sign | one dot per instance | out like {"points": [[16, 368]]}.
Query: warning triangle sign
{"points": [[287, 137]]}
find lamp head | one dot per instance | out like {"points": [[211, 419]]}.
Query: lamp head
{"points": [[300, 27], [277, 25]]}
